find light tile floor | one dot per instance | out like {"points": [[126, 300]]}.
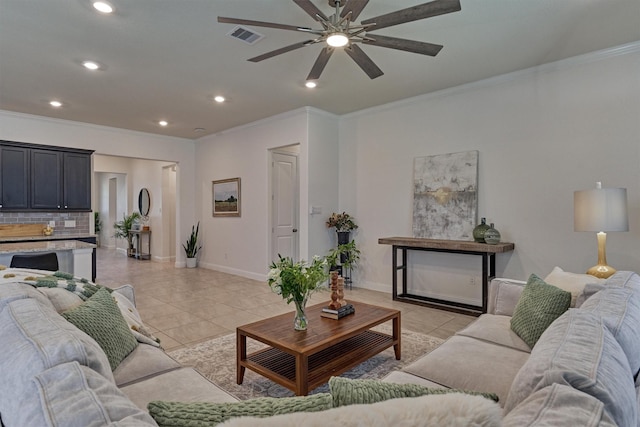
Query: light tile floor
{"points": [[185, 306]]}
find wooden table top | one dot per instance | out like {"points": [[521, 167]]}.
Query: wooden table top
{"points": [[458, 245], [321, 332]]}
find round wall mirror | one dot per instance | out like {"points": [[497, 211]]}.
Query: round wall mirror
{"points": [[144, 202]]}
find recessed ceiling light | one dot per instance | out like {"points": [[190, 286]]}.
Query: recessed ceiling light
{"points": [[199, 130], [102, 6], [337, 40], [90, 65], [311, 84], [163, 123], [55, 104], [219, 98]]}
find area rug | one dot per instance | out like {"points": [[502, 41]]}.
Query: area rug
{"points": [[216, 360]]}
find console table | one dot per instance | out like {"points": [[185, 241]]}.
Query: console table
{"points": [[404, 244], [139, 253]]}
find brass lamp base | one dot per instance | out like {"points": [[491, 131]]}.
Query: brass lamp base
{"points": [[601, 271]]}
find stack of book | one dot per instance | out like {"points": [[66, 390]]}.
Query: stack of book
{"points": [[345, 310]]}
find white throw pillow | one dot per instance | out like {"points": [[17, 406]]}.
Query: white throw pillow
{"points": [[451, 410], [131, 315], [571, 282]]}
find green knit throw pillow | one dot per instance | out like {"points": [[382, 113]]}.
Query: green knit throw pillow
{"points": [[201, 414], [539, 305], [346, 391], [100, 318]]}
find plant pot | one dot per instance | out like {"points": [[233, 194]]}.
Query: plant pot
{"points": [[191, 262], [343, 237]]}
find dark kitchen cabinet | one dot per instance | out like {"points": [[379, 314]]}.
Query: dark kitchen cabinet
{"points": [[53, 178], [14, 178]]}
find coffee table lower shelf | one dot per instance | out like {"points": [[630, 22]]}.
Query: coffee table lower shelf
{"points": [[280, 366]]}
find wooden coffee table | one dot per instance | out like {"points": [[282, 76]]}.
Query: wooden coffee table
{"points": [[303, 360]]}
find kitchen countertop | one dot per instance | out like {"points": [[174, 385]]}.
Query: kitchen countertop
{"points": [[44, 246], [44, 238]]}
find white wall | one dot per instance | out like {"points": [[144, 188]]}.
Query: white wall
{"points": [[114, 142], [241, 245], [541, 134]]}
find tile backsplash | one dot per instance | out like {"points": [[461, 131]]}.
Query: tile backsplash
{"points": [[61, 219]]}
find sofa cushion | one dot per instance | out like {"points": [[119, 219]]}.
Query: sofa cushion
{"points": [[207, 414], [455, 409], [539, 305], [504, 295], [495, 329], [470, 364], [624, 279], [38, 338], [143, 362], [186, 383], [579, 351], [401, 377], [559, 405], [620, 311], [61, 299], [571, 282], [74, 395], [346, 391], [13, 291], [100, 318]]}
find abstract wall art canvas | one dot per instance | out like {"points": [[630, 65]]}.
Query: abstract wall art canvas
{"points": [[445, 196]]}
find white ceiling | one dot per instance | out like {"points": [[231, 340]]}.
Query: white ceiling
{"points": [[166, 59]]}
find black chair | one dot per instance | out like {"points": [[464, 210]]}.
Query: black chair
{"points": [[41, 261]]}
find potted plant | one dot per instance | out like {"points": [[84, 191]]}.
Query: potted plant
{"points": [[349, 255], [191, 248], [344, 225], [122, 229], [97, 226], [296, 281]]}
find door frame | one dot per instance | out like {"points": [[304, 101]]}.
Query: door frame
{"points": [[294, 151]]}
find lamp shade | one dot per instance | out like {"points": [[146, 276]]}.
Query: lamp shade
{"points": [[600, 209]]}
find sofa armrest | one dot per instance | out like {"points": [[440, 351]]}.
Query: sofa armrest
{"points": [[504, 295]]}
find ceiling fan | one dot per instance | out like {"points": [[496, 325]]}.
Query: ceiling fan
{"points": [[338, 31]]}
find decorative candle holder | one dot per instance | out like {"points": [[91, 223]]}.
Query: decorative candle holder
{"points": [[341, 300]]}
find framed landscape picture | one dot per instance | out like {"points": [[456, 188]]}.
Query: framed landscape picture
{"points": [[226, 197]]}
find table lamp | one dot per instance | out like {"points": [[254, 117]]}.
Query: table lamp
{"points": [[600, 210]]}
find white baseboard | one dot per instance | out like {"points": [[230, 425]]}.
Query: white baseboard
{"points": [[225, 269]]}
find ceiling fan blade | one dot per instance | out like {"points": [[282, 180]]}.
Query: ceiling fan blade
{"points": [[355, 7], [225, 20], [426, 10], [320, 63], [280, 51], [403, 44], [311, 9], [363, 61]]}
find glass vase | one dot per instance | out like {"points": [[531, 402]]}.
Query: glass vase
{"points": [[300, 319]]}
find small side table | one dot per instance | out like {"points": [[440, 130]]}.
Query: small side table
{"points": [[139, 234]]}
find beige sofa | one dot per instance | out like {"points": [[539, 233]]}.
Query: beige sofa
{"points": [[43, 356], [582, 371]]}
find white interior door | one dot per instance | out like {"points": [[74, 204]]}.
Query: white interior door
{"points": [[284, 206]]}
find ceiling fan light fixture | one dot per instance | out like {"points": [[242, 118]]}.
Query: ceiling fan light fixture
{"points": [[55, 104], [311, 84], [219, 98], [338, 40]]}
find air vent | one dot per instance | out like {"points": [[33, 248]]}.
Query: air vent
{"points": [[245, 34]]}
